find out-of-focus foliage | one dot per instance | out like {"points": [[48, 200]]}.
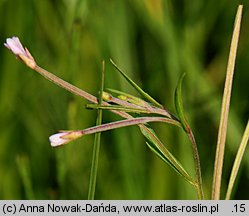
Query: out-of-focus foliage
{"points": [[154, 42]]}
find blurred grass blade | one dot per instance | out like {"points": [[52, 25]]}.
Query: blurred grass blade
{"points": [[23, 165], [225, 108], [96, 147], [159, 149], [237, 161], [179, 104], [141, 91]]}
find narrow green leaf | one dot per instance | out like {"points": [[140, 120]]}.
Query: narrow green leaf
{"points": [[225, 107], [237, 161], [141, 91], [96, 146], [179, 104], [162, 152]]}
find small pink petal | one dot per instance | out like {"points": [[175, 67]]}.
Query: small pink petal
{"points": [[64, 137], [15, 46], [57, 140]]}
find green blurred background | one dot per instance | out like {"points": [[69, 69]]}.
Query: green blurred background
{"points": [[154, 42]]}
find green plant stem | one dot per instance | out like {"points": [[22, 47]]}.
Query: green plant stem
{"points": [[237, 161], [225, 108], [197, 165], [95, 160], [187, 129], [96, 146]]}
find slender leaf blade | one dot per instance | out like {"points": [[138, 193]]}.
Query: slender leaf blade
{"points": [[237, 161], [141, 91], [179, 104], [225, 107], [162, 152], [97, 139]]}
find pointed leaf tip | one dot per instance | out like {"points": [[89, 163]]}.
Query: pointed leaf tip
{"points": [[179, 104], [141, 91]]}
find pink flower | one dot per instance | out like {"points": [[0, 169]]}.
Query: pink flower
{"points": [[64, 137], [15, 46]]}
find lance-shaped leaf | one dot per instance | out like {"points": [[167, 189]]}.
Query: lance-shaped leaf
{"points": [[179, 104], [162, 152], [141, 91]]}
